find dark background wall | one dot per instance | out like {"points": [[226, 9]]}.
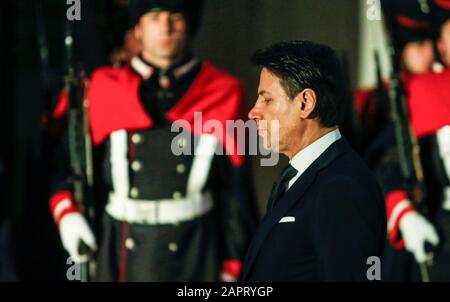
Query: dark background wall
{"points": [[7, 263]]}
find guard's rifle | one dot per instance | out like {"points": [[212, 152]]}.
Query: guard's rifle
{"points": [[407, 142], [408, 149], [80, 146]]}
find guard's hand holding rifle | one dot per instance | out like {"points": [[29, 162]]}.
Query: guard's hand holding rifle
{"points": [[75, 232], [417, 231]]}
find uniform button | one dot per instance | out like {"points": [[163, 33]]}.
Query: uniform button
{"points": [[182, 142], [173, 247], [176, 195], [136, 166], [134, 192], [181, 168], [129, 244], [136, 138]]}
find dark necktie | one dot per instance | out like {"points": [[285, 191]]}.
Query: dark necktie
{"points": [[280, 186]]}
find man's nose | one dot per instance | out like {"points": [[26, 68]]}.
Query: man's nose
{"points": [[254, 114], [166, 23]]}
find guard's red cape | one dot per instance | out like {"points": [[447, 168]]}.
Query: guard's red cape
{"points": [[429, 102], [114, 104]]}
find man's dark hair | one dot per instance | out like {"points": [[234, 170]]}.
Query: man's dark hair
{"points": [[303, 64]]}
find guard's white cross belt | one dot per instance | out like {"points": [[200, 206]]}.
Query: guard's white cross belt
{"points": [[159, 212], [165, 211]]}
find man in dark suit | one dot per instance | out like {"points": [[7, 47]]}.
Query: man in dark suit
{"points": [[326, 218]]}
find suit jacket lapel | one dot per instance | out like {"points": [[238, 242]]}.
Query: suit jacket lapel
{"points": [[289, 199]]}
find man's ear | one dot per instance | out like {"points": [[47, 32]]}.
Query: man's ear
{"points": [[307, 100], [137, 32]]}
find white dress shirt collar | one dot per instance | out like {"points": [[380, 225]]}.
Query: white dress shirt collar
{"points": [[303, 159]]}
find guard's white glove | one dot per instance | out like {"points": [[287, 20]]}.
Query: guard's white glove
{"points": [[416, 230], [231, 270], [73, 229], [226, 277]]}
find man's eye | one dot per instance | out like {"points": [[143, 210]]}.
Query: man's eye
{"points": [[267, 100]]}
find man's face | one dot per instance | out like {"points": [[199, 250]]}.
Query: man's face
{"points": [[444, 43], [163, 34], [418, 56], [276, 115]]}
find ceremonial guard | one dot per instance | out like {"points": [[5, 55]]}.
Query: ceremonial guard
{"points": [[411, 200], [429, 108], [412, 48], [169, 216]]}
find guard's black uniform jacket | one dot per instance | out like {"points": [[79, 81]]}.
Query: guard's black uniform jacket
{"points": [[172, 213], [430, 121]]}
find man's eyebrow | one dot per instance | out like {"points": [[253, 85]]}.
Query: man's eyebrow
{"points": [[264, 93]]}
